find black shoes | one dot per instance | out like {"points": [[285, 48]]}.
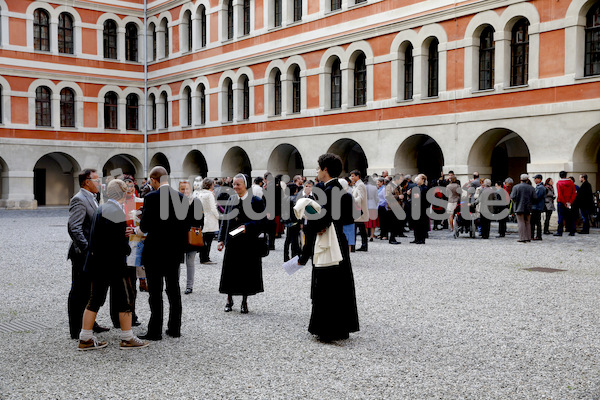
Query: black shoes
{"points": [[362, 248], [188, 291], [572, 234], [418, 242], [173, 334], [393, 241], [99, 329], [150, 337], [557, 234], [228, 306], [244, 308], [370, 239]]}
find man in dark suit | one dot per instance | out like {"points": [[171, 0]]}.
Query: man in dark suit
{"points": [[164, 219], [81, 214], [585, 202]]}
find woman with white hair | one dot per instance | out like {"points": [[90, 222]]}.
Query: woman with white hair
{"points": [[421, 224], [106, 263]]}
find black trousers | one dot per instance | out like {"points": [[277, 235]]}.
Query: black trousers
{"points": [[158, 276], [79, 295], [362, 230], [536, 224], [121, 292], [131, 275], [502, 226], [292, 238], [547, 221], [484, 223], [204, 251], [383, 221]]}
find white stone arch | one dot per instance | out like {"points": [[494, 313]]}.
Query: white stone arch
{"points": [[325, 76], [287, 84], [60, 167], [196, 105], [508, 19], [77, 23], [285, 158], [53, 24], [160, 158], [352, 152], [398, 52], [161, 104], [4, 24], [4, 186], [163, 23], [586, 156], [120, 35], [238, 92], [150, 32], [123, 159], [222, 88], [270, 86], [79, 100], [235, 160], [352, 53], [184, 28], [54, 103], [196, 23], [6, 101], [420, 152], [183, 102], [575, 21], [472, 41]]}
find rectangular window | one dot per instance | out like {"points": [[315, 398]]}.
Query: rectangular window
{"points": [[297, 10], [336, 5]]}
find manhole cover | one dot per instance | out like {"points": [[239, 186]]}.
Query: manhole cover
{"points": [[549, 270], [21, 326]]}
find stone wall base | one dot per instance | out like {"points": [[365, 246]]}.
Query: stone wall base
{"points": [[18, 204]]}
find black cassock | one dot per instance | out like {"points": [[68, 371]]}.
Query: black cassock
{"points": [[242, 262], [334, 312]]}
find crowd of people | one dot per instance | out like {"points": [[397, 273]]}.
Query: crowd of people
{"points": [[145, 233]]}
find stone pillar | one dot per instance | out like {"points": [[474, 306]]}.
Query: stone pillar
{"points": [[121, 44], [19, 188]]}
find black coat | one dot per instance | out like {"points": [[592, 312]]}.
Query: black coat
{"points": [[585, 197], [334, 310], [108, 246], [242, 263], [166, 238]]}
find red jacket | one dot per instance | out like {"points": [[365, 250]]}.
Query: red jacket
{"points": [[567, 192]]}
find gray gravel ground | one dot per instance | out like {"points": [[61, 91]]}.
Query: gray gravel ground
{"points": [[451, 319]]}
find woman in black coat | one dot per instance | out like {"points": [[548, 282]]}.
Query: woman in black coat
{"points": [[334, 312], [421, 224], [242, 264]]}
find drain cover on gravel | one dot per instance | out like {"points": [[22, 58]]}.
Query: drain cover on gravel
{"points": [[540, 269], [21, 326]]}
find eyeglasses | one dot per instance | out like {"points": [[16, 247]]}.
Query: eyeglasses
{"points": [[97, 180]]}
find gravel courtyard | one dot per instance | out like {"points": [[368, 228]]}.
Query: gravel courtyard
{"points": [[452, 319]]}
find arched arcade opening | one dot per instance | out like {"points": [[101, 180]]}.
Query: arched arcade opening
{"points": [[123, 164], [236, 160], [419, 154], [160, 159], [586, 157], [499, 154], [352, 155], [3, 180], [195, 165], [54, 179], [285, 160]]}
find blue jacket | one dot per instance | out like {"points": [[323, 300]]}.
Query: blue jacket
{"points": [[540, 202]]}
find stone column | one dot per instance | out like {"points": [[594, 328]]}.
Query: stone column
{"points": [[19, 188]]}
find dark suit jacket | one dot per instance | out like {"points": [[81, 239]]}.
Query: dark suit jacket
{"points": [[81, 214], [166, 238], [585, 197], [108, 245]]}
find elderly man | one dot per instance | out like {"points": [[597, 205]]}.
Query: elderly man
{"points": [[81, 214], [523, 196]]}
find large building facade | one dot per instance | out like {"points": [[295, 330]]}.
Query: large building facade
{"points": [[215, 87]]}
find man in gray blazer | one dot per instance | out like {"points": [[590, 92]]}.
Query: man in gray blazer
{"points": [[523, 196], [81, 214]]}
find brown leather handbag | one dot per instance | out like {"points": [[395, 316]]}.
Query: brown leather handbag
{"points": [[195, 237]]}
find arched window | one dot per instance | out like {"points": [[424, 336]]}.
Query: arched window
{"points": [[336, 84], [592, 41], [1, 107], [111, 104], [65, 33], [519, 53], [229, 86], [190, 36], [132, 112], [166, 23], [277, 13], [165, 101], [131, 42], [277, 93], [230, 19], [43, 109], [110, 39], [246, 97], [246, 17], [486, 59], [41, 30], [296, 90], [154, 37], [202, 102], [360, 80], [67, 108], [152, 101], [297, 10], [433, 69], [336, 5], [203, 26], [408, 72], [187, 92]]}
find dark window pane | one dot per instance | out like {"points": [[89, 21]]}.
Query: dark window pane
{"points": [[246, 94], [336, 5], [277, 13], [166, 39], [132, 112], [42, 106], [592, 42], [190, 36], [408, 73], [110, 39], [519, 60], [230, 101], [433, 69], [296, 90], [131, 42], [153, 110], [67, 108], [165, 101], [486, 59], [65, 33], [202, 100], [297, 10], [277, 87], [360, 81], [41, 30], [111, 104], [336, 85], [230, 19], [203, 26], [246, 17]]}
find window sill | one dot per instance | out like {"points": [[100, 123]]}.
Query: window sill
{"points": [[516, 87], [482, 91], [431, 98], [357, 106], [404, 100], [590, 78], [331, 12], [359, 4]]}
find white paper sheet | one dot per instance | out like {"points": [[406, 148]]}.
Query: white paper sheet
{"points": [[237, 231], [292, 266]]}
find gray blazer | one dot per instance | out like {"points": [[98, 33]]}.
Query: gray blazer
{"points": [[523, 196], [81, 214]]}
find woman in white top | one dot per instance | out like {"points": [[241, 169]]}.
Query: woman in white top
{"points": [[211, 218]]}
